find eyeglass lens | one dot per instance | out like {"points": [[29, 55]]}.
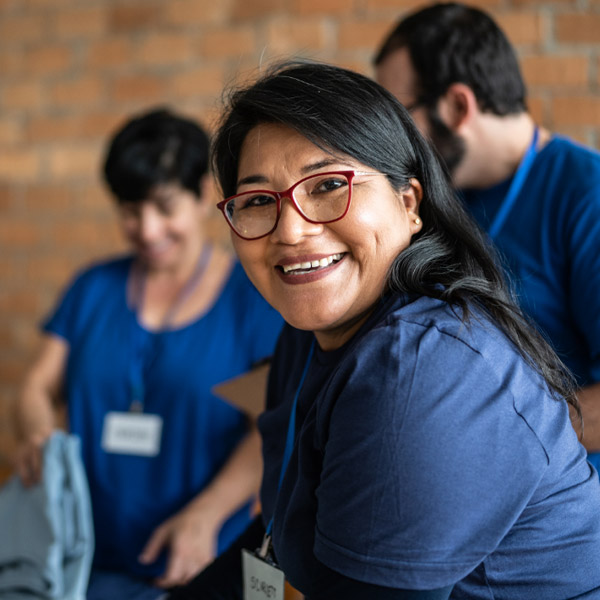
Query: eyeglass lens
{"points": [[320, 198]]}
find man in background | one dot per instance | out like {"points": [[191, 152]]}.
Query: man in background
{"points": [[536, 194]]}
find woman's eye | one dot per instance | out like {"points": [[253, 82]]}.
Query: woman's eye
{"points": [[331, 184], [257, 200]]}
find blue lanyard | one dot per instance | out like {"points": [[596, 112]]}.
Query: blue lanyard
{"points": [[144, 342], [291, 430], [515, 187]]}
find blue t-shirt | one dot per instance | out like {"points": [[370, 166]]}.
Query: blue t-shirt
{"points": [[132, 495], [428, 453], [551, 243]]}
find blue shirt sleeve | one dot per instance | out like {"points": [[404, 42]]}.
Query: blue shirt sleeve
{"points": [[438, 441]]}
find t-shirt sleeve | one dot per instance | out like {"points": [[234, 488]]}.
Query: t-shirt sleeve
{"points": [[62, 320], [426, 463]]}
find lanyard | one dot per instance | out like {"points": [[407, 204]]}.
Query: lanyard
{"points": [[289, 445], [515, 187], [145, 343]]}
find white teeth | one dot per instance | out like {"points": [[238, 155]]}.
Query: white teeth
{"points": [[323, 262]]}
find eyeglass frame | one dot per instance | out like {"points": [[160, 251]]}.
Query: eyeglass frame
{"points": [[350, 174]]}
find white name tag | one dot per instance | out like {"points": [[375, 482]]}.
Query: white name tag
{"points": [[132, 433], [262, 581]]}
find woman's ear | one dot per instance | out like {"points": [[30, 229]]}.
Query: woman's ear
{"points": [[457, 106], [411, 197]]}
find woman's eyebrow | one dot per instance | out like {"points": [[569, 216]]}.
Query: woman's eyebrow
{"points": [[307, 169], [252, 179], [326, 162]]}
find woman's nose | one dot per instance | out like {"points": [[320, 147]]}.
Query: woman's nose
{"points": [[150, 225], [292, 226]]}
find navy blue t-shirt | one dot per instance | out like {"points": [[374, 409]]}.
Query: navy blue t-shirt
{"points": [[428, 453]]}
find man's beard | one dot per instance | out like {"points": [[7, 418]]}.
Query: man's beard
{"points": [[450, 146]]}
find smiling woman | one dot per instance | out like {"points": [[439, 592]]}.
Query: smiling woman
{"points": [[426, 421]]}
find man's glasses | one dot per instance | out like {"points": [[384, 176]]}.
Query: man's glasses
{"points": [[320, 198]]}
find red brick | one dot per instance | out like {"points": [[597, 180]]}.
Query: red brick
{"points": [[323, 7], [375, 5], [23, 95], [138, 87], [544, 3], [74, 161], [8, 198], [47, 59], [228, 42], [49, 269], [26, 28], [20, 233], [289, 37], [165, 48], [578, 28], [106, 53], [99, 124], [20, 165], [522, 28], [243, 9], [555, 71], [576, 110], [46, 128], [355, 34], [197, 82], [134, 17], [538, 109], [86, 22], [71, 127], [11, 63], [11, 131], [44, 198], [49, 4], [196, 12], [86, 91]]}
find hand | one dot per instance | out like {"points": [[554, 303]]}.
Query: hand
{"points": [[28, 459], [191, 536]]}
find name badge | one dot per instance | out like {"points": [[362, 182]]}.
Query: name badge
{"points": [[132, 433], [262, 581]]}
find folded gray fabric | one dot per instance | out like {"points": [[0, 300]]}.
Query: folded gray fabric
{"points": [[46, 539]]}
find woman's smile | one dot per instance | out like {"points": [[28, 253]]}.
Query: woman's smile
{"points": [[306, 268]]}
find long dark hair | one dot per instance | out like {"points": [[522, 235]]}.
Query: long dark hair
{"points": [[343, 111], [452, 42]]}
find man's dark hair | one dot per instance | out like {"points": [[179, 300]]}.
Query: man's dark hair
{"points": [[154, 148], [344, 112], [453, 43]]}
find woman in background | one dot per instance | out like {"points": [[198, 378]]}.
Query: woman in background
{"points": [[134, 348]]}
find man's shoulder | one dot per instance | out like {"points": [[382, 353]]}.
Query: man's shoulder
{"points": [[566, 153]]}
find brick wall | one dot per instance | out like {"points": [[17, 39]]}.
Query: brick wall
{"points": [[71, 71]]}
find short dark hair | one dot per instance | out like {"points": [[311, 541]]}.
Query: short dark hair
{"points": [[154, 148], [344, 112], [453, 43]]}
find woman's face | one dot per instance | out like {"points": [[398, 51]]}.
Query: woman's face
{"points": [[165, 229], [331, 300]]}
